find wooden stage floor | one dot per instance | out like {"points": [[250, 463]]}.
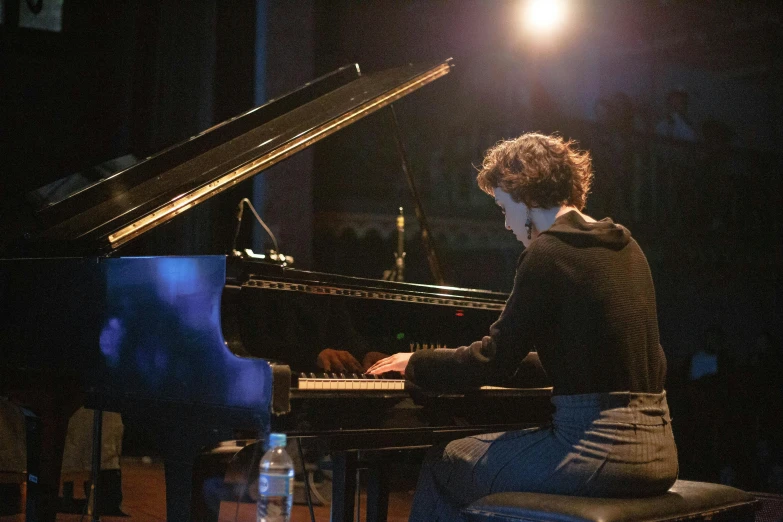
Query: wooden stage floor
{"points": [[144, 499]]}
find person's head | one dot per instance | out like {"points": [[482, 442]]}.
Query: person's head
{"points": [[535, 172]]}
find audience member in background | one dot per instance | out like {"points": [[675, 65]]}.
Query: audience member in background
{"points": [[676, 125], [618, 188], [77, 459], [674, 164]]}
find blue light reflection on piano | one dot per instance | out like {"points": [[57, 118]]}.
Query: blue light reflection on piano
{"points": [[162, 336], [110, 340]]}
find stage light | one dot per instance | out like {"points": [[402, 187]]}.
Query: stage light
{"points": [[544, 16]]}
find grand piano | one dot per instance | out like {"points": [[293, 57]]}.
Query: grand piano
{"points": [[194, 348]]}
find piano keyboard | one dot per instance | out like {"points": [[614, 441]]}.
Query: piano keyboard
{"points": [[362, 382], [341, 381]]}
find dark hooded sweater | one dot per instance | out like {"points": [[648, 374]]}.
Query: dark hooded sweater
{"points": [[583, 297]]}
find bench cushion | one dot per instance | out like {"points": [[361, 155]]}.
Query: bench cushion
{"points": [[686, 500]]}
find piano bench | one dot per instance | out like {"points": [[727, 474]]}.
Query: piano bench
{"points": [[686, 500]]}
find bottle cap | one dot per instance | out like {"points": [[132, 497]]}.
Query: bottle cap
{"points": [[277, 439]]}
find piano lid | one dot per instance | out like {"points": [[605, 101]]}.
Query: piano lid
{"points": [[109, 212]]}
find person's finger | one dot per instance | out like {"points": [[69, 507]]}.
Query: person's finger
{"points": [[370, 358], [381, 368], [375, 367], [379, 364], [349, 361]]}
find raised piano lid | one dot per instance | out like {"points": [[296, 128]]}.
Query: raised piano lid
{"points": [[108, 213]]}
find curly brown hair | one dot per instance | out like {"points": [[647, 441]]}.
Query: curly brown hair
{"points": [[538, 170]]}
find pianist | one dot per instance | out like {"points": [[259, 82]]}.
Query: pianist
{"points": [[583, 297]]}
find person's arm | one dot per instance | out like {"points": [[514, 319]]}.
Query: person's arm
{"points": [[497, 355]]}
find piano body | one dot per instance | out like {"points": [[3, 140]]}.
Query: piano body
{"points": [[193, 348]]}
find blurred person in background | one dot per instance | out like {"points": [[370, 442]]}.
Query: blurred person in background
{"points": [[676, 124]]}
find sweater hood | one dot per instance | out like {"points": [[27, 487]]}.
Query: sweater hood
{"points": [[572, 228]]}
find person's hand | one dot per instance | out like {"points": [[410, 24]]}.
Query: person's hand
{"points": [[370, 358], [338, 361], [396, 363]]}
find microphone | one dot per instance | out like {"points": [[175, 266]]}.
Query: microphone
{"points": [[240, 211]]}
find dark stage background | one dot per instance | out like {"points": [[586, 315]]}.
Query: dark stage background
{"points": [[84, 82]]}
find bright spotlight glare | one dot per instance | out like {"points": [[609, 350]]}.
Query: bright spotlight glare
{"points": [[544, 15]]}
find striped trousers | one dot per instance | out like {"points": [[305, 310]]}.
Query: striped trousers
{"points": [[616, 444]]}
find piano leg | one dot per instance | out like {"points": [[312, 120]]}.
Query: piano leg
{"points": [[377, 495], [214, 480], [179, 456], [180, 442], [344, 467], [95, 469], [179, 487]]}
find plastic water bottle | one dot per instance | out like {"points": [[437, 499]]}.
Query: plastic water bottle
{"points": [[275, 482]]}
